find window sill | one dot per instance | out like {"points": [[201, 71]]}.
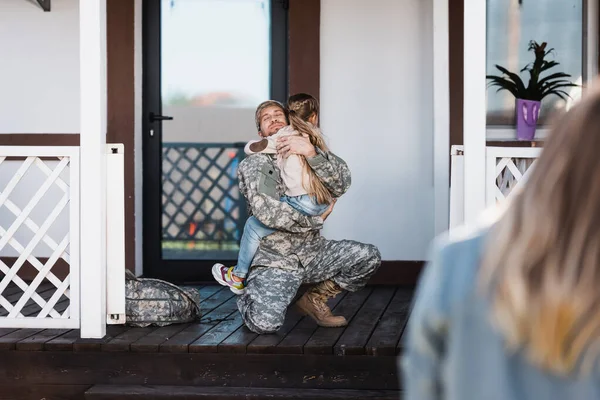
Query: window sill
{"points": [[510, 134]]}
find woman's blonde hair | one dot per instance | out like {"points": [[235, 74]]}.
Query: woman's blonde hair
{"points": [[301, 108], [542, 259]]}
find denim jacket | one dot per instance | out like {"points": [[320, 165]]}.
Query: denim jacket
{"points": [[451, 350]]}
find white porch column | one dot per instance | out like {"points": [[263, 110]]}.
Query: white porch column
{"points": [[441, 115], [474, 108], [92, 50]]}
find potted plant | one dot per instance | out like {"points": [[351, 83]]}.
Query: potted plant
{"points": [[528, 98]]}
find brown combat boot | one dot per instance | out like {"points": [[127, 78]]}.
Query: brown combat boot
{"points": [[314, 304]]}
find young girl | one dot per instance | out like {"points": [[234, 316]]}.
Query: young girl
{"points": [[304, 190]]}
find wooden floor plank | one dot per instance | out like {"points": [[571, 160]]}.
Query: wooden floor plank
{"points": [[207, 292], [151, 342], [209, 342], [36, 342], [31, 305], [216, 300], [63, 342], [359, 330], [238, 341], [96, 344], [295, 340], [62, 305], [265, 344], [45, 392], [122, 341], [6, 331], [14, 292], [323, 340], [110, 392], [387, 333], [400, 344], [9, 342], [224, 320], [180, 342], [210, 369], [32, 308], [11, 289]]}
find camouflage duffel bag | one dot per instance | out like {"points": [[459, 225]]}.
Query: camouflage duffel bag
{"points": [[159, 303]]}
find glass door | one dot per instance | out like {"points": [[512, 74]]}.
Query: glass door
{"points": [[207, 65]]}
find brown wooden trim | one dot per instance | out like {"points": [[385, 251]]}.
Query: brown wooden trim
{"points": [[121, 103], [199, 369], [456, 51], [14, 391], [397, 273], [39, 139], [304, 20], [28, 272]]}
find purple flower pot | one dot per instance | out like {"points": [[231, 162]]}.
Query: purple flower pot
{"points": [[528, 112]]}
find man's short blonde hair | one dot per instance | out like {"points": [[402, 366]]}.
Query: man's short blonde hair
{"points": [[262, 106]]}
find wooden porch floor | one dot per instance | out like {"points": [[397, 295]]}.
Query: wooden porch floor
{"points": [[377, 317], [218, 351]]}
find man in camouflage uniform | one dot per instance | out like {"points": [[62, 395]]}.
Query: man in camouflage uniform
{"points": [[296, 253]]}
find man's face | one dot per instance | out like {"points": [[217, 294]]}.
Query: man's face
{"points": [[272, 119]]}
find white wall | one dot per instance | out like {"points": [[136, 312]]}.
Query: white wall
{"points": [[377, 111], [39, 68], [39, 93]]}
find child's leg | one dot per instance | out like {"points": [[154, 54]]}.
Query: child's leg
{"points": [[254, 231], [305, 204]]}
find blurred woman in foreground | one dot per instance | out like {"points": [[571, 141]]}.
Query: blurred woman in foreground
{"points": [[512, 311]]}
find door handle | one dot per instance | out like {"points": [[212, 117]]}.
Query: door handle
{"points": [[156, 117]]}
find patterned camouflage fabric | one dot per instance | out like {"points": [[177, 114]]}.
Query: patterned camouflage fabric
{"points": [[159, 303], [296, 253]]}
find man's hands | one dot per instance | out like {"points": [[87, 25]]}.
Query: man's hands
{"points": [[329, 210], [299, 145]]}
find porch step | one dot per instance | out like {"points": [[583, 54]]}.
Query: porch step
{"points": [[131, 392]]}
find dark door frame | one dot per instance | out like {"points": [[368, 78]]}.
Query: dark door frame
{"points": [[154, 265]]}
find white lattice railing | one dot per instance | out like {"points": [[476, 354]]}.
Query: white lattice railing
{"points": [[507, 168], [39, 237]]}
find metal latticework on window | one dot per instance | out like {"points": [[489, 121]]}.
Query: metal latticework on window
{"points": [[200, 196]]}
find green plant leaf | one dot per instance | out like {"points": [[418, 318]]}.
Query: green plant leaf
{"points": [[502, 84], [553, 76], [548, 64], [537, 87], [558, 90], [559, 84], [515, 78], [560, 93]]}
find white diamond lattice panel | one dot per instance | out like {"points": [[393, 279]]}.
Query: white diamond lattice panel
{"points": [[39, 237], [507, 169]]}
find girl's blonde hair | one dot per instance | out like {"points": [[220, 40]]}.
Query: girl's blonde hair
{"points": [[301, 108], [542, 259]]}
